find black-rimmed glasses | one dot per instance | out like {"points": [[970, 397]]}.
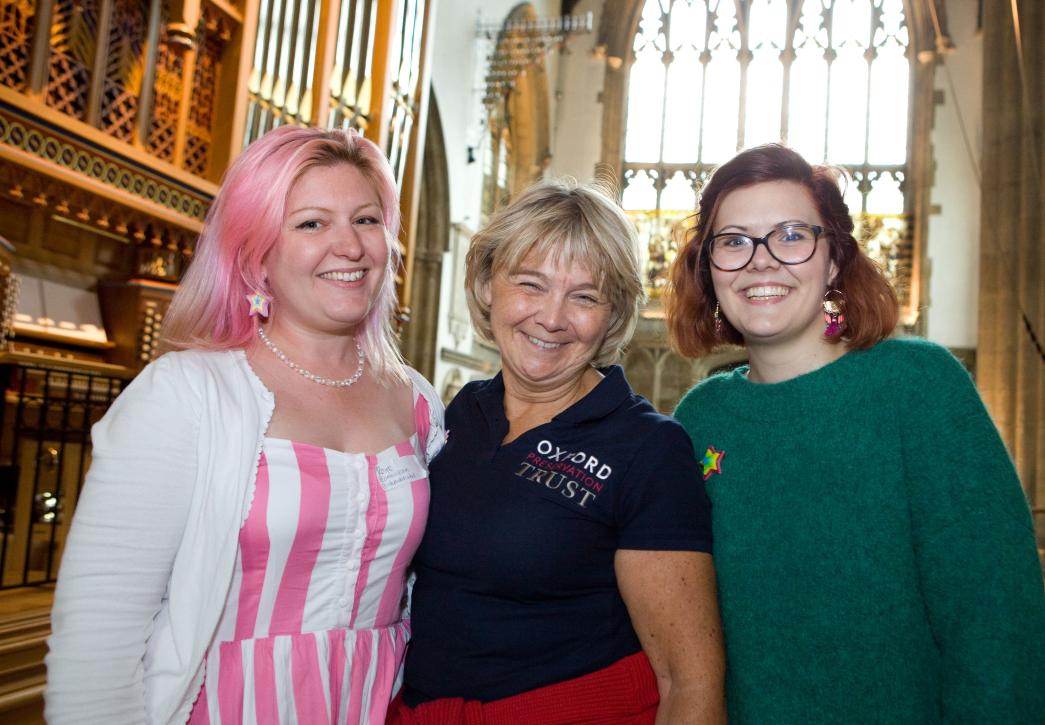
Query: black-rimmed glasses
{"points": [[787, 244]]}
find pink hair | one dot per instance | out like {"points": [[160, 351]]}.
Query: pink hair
{"points": [[209, 309]]}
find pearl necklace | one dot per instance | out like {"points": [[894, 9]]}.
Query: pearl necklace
{"points": [[342, 383]]}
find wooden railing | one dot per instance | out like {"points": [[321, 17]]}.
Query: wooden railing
{"points": [[23, 644], [45, 421]]}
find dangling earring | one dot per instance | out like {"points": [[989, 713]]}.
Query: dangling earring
{"points": [[718, 321], [259, 303], [834, 309]]}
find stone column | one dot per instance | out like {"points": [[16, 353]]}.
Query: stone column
{"points": [[1010, 369]]}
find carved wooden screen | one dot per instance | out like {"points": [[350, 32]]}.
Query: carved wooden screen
{"points": [[17, 21], [95, 65], [167, 95], [212, 36], [828, 77], [74, 42], [124, 66]]}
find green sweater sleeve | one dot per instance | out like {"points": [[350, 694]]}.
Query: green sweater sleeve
{"points": [[974, 545]]}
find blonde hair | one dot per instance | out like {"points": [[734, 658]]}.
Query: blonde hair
{"points": [[577, 224]]}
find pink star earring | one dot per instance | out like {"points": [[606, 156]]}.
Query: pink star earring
{"points": [[259, 303]]}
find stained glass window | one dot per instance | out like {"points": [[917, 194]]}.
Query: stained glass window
{"points": [[827, 77]]}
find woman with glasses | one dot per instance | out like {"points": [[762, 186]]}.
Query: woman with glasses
{"points": [[874, 551]]}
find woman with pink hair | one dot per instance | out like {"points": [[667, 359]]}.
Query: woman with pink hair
{"points": [[240, 548]]}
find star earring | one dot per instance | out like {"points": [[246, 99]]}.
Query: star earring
{"points": [[259, 303]]}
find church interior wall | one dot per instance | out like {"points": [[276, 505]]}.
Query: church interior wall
{"points": [[564, 136], [577, 121], [948, 314], [458, 67], [954, 225], [458, 81]]}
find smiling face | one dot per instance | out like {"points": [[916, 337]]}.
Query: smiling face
{"points": [[549, 320], [330, 260], [769, 303]]}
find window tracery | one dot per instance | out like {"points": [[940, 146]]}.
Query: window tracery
{"points": [[827, 77]]}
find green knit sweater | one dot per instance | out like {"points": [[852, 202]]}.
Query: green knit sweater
{"points": [[875, 554]]}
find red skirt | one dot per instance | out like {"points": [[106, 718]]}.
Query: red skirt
{"points": [[625, 693]]}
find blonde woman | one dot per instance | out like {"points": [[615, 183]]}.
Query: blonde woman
{"points": [[566, 572]]}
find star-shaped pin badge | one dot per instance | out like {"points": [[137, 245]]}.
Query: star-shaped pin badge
{"points": [[259, 304], [712, 461]]}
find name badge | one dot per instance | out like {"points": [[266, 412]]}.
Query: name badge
{"points": [[394, 471]]}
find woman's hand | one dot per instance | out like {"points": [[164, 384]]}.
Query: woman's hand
{"points": [[671, 598]]}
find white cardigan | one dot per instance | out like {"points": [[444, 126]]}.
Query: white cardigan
{"points": [[152, 548]]}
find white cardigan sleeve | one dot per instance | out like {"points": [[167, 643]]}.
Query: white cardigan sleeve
{"points": [[126, 530]]}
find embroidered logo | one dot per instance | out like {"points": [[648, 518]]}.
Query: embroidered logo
{"points": [[576, 475], [712, 461]]}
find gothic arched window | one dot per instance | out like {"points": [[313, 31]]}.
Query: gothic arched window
{"points": [[827, 77]]}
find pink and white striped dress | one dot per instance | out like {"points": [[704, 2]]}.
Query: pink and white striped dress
{"points": [[313, 630]]}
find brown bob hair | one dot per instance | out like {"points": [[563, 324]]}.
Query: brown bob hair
{"points": [[871, 309]]}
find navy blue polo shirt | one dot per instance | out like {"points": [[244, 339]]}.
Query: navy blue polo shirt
{"points": [[515, 581]]}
